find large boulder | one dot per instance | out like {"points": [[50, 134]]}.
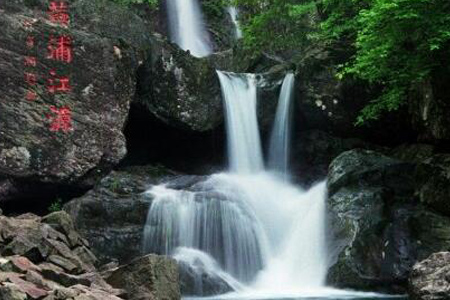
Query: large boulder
{"points": [[379, 229], [198, 281], [102, 80], [429, 279], [180, 89], [150, 277], [200, 274], [112, 215]]}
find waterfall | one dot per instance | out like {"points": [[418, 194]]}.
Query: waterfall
{"points": [[244, 145], [233, 12], [214, 218], [249, 227], [280, 137], [187, 27]]}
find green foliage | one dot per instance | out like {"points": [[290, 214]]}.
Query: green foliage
{"points": [[395, 44], [214, 8], [56, 205], [276, 25], [115, 184]]}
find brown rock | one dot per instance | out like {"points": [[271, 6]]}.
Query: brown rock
{"points": [[27, 287], [17, 264]]}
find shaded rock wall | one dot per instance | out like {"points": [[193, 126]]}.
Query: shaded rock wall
{"points": [[112, 215], [379, 227]]}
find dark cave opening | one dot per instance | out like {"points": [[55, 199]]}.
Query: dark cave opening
{"points": [[151, 141]]}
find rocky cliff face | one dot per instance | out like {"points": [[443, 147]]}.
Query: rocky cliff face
{"points": [[380, 229], [102, 85]]}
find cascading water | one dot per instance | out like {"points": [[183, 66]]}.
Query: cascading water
{"points": [[249, 224], [233, 12], [244, 143], [213, 217], [187, 28], [280, 137]]}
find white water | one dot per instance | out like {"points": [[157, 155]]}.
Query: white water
{"points": [[233, 12], [280, 137], [214, 218], [246, 226], [244, 143], [187, 27]]}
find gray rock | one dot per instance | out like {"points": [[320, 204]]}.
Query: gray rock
{"points": [[179, 89], [29, 237], [112, 215], [429, 278], [148, 277], [57, 270], [379, 230], [102, 76], [10, 291], [314, 150], [196, 281]]}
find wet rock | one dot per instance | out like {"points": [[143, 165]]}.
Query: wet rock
{"points": [[361, 167], [148, 277], [379, 228], [429, 278], [112, 215], [197, 281]]}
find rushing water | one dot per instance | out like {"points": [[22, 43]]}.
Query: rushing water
{"points": [[233, 12], [250, 227], [187, 27], [280, 137], [244, 143]]}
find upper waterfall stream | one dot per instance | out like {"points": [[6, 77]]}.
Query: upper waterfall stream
{"points": [[187, 28], [280, 138]]}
